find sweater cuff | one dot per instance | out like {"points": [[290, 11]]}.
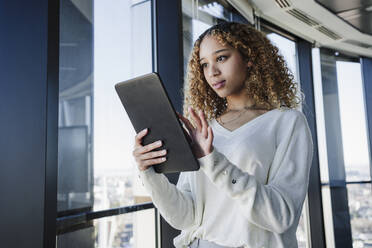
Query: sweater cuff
{"points": [[146, 173], [149, 178], [208, 162]]}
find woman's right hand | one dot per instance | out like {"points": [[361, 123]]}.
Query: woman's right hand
{"points": [[144, 155]]}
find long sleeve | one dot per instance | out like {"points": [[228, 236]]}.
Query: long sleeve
{"points": [[175, 203], [275, 205]]}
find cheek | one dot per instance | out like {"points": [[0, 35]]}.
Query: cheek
{"points": [[239, 70], [205, 76], [206, 79], [233, 70]]}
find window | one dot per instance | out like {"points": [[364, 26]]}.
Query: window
{"points": [[101, 44], [343, 148]]}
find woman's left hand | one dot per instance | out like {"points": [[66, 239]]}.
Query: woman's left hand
{"points": [[201, 136]]}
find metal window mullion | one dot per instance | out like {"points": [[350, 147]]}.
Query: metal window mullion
{"points": [[314, 191]]}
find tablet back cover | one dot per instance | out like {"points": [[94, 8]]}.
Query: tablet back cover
{"points": [[148, 106]]}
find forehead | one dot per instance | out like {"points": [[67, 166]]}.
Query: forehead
{"points": [[209, 45]]}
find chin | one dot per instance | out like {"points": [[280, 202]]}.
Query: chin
{"points": [[222, 94], [219, 94]]}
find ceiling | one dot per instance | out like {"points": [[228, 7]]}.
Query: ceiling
{"points": [[342, 25], [358, 13]]}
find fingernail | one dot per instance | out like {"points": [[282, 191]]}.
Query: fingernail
{"points": [[144, 130]]}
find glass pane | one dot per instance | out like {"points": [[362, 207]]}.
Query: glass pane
{"points": [[342, 138], [82, 238], [102, 43], [353, 121], [287, 49], [75, 106], [133, 230], [322, 148], [360, 202], [341, 119]]}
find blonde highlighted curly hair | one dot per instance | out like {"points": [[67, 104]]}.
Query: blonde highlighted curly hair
{"points": [[270, 83]]}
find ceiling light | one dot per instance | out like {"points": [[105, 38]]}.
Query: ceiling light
{"points": [[369, 8]]}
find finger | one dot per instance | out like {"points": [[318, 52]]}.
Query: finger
{"points": [[150, 147], [147, 163], [210, 136], [188, 136], [187, 123], [154, 154], [204, 124], [195, 117], [181, 116], [144, 149], [139, 136]]}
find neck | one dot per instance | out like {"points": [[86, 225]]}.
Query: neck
{"points": [[238, 103]]}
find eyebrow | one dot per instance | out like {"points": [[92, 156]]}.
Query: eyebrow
{"points": [[218, 51]]}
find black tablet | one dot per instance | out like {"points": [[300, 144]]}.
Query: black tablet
{"points": [[148, 106]]}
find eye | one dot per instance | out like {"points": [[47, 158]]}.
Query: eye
{"points": [[221, 58], [203, 65]]}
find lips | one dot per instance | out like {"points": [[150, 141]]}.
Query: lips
{"points": [[219, 84]]}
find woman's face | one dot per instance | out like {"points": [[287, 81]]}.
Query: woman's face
{"points": [[223, 67]]}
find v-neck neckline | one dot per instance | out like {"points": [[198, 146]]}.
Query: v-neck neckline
{"points": [[236, 130]]}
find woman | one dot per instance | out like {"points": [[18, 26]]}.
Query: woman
{"points": [[254, 148]]}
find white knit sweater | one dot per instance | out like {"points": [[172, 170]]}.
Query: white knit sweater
{"points": [[249, 191]]}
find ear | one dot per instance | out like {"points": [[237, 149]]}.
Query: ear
{"points": [[249, 64]]}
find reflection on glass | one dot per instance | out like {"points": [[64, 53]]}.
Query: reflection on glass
{"points": [[82, 238], [132, 230], [360, 202], [75, 176], [98, 50], [353, 121]]}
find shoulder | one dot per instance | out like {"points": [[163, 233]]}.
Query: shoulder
{"points": [[289, 121], [290, 115]]}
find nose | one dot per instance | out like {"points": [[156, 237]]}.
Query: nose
{"points": [[213, 70]]}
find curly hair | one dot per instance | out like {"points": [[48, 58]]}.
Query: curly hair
{"points": [[270, 83]]}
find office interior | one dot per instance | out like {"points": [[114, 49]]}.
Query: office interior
{"points": [[67, 174]]}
